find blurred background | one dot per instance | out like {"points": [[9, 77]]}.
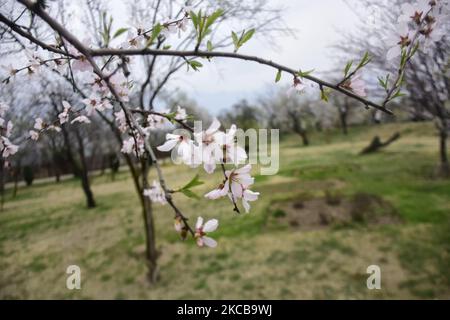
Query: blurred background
{"points": [[355, 188]]}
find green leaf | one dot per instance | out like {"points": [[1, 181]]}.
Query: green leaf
{"points": [[212, 18], [167, 47], [247, 36], [303, 74], [347, 68], [120, 32], [194, 18], [235, 40], [324, 94], [398, 94], [188, 193], [365, 60], [209, 45], [278, 77], [155, 33], [193, 183], [195, 65]]}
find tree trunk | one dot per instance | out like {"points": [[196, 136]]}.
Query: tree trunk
{"points": [[84, 173], [2, 183], [151, 251], [16, 182], [445, 167], [343, 118], [79, 170], [304, 136]]}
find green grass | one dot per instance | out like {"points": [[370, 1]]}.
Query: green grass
{"points": [[46, 228]]}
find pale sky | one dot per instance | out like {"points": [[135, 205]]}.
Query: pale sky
{"points": [[317, 24]]}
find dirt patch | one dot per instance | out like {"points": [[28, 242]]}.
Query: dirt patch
{"points": [[334, 210]]}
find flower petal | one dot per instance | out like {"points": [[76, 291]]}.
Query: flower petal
{"points": [[209, 242], [211, 225], [199, 223], [168, 145]]}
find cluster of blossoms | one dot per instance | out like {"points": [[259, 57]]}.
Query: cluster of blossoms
{"points": [[422, 21], [210, 147], [7, 148], [154, 121], [139, 37], [156, 193]]}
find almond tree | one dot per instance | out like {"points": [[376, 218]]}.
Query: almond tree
{"points": [[106, 72], [392, 36]]}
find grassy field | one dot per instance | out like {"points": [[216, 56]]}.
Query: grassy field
{"points": [[267, 254]]}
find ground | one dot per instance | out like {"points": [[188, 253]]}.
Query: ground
{"points": [[271, 253]]}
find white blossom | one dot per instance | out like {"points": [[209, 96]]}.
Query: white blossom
{"points": [[297, 87], [356, 84], [247, 197], [236, 186], [128, 146], [9, 127], [34, 135], [209, 145], [201, 231], [397, 41], [39, 124], [8, 147], [64, 116], [180, 114], [121, 119], [81, 119], [231, 151], [95, 103], [156, 193], [182, 144]]}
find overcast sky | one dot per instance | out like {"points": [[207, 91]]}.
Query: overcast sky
{"points": [[317, 24]]}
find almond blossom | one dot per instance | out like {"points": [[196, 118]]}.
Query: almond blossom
{"points": [[414, 11], [356, 84], [95, 103], [121, 119], [34, 135], [232, 152], [39, 124], [128, 146], [397, 41], [248, 196], [180, 114], [182, 144], [156, 193], [209, 145], [121, 85], [297, 86], [81, 119], [81, 64], [7, 147], [157, 122], [236, 186], [64, 116], [201, 230]]}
